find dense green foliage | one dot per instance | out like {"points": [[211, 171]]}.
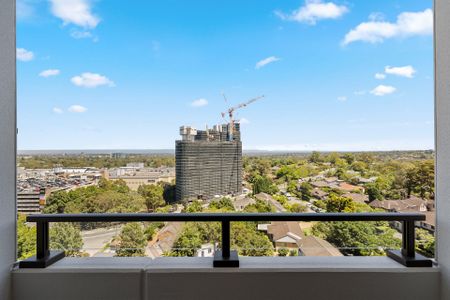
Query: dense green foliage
{"points": [[153, 196], [222, 204], [194, 207], [108, 196], [67, 237], [355, 238], [244, 237], [336, 203], [26, 238], [259, 207], [63, 236], [263, 184], [358, 238], [96, 161], [425, 244], [132, 240]]}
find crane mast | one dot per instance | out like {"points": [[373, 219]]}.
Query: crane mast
{"points": [[231, 111]]}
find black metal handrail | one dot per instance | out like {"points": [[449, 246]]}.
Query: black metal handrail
{"points": [[225, 258]]}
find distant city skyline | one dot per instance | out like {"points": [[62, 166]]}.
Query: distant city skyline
{"points": [[336, 75]]}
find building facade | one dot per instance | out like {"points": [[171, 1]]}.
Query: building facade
{"points": [[208, 162], [31, 201]]}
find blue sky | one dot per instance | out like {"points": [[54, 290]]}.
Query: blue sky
{"points": [[336, 75]]}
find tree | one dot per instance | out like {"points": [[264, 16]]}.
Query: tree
{"points": [[359, 166], [249, 241], [260, 207], [306, 191], [26, 238], [315, 157], [188, 241], [152, 229], [297, 208], [67, 237], [358, 238], [222, 204], [56, 202], [420, 179], [153, 196], [195, 206], [349, 158], [373, 192], [169, 192], [337, 203], [263, 184], [132, 240]]}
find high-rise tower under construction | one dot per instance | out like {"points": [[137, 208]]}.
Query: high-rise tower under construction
{"points": [[208, 162]]}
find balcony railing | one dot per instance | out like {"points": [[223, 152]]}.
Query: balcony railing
{"points": [[226, 258]]}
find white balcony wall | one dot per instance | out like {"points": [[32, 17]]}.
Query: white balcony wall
{"points": [[7, 143], [442, 125]]}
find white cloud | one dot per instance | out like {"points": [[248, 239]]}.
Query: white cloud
{"points": [[380, 76], [266, 61], [383, 90], [406, 71], [77, 109], [407, 24], [24, 55], [57, 110], [342, 98], [49, 72], [77, 12], [313, 11], [199, 102], [91, 80]]}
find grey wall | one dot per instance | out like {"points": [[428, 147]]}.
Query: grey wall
{"points": [[317, 278], [442, 69], [7, 144]]}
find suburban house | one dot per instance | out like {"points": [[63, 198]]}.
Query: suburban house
{"points": [[357, 197], [411, 204], [242, 201], [289, 235]]}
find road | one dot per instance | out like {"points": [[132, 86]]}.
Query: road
{"points": [[95, 240]]}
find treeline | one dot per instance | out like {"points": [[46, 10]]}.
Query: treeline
{"points": [[96, 161], [394, 178]]}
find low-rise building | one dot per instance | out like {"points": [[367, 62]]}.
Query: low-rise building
{"points": [[289, 235], [357, 197], [31, 201], [242, 201]]}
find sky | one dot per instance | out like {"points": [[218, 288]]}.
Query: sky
{"points": [[335, 75]]}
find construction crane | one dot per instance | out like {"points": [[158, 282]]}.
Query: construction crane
{"points": [[231, 111]]}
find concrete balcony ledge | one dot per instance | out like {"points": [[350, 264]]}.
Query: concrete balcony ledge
{"points": [[258, 278]]}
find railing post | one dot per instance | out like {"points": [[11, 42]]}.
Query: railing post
{"points": [[42, 240], [408, 241], [407, 255], [44, 257], [226, 258], [225, 239]]}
